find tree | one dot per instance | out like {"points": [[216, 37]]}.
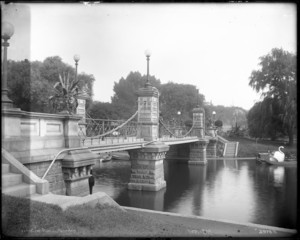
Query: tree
{"points": [[52, 66], [176, 97], [31, 83], [218, 123], [276, 80], [103, 110], [264, 120], [27, 89], [125, 96]]}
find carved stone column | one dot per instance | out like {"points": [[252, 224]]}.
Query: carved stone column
{"points": [[147, 167], [76, 167]]}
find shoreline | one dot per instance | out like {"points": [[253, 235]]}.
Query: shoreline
{"points": [[214, 227]]}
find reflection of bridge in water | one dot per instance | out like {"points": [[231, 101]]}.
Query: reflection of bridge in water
{"points": [[63, 148]]}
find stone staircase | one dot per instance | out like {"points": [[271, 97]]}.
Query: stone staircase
{"points": [[231, 149], [12, 183]]}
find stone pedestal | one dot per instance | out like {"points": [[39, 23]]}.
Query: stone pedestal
{"points": [[147, 167], [72, 139], [198, 152], [148, 113], [211, 150], [76, 167]]}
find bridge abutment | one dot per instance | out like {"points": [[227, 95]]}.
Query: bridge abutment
{"points": [[198, 149], [147, 167], [198, 152], [211, 149]]}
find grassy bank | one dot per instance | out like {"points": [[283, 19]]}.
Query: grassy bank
{"points": [[249, 147], [22, 217]]}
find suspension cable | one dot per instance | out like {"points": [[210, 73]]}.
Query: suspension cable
{"points": [[162, 123], [118, 127]]}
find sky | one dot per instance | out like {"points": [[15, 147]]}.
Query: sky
{"points": [[214, 46]]}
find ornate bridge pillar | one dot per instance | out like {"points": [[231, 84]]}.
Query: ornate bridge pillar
{"points": [[148, 113], [198, 149], [76, 167], [212, 148], [147, 167]]}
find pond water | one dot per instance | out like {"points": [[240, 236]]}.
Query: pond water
{"points": [[235, 190]]}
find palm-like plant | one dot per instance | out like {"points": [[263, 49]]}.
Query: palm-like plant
{"points": [[66, 93]]}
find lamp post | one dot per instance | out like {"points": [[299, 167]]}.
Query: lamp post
{"points": [[148, 54], [76, 59], [214, 117], [7, 32], [179, 114]]}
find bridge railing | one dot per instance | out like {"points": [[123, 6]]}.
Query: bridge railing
{"points": [[97, 130], [167, 130]]}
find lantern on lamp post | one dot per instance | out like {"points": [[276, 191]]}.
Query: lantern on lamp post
{"points": [[7, 32], [76, 59], [213, 118], [147, 54]]}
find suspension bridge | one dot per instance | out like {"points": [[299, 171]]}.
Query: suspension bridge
{"points": [[63, 148]]}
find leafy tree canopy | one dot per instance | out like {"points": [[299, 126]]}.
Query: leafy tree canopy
{"points": [[276, 80], [31, 84]]}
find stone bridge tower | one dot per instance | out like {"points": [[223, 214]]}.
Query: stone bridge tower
{"points": [[198, 149], [147, 167]]}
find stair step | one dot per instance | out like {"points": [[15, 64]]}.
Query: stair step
{"points": [[20, 190], [5, 168], [11, 179]]}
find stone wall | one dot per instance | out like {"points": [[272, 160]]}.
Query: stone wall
{"points": [[54, 176]]}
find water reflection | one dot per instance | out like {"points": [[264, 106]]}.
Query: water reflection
{"points": [[237, 190]]}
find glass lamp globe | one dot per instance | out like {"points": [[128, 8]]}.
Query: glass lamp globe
{"points": [[7, 30], [76, 58], [148, 53]]}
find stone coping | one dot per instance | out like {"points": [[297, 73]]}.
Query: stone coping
{"points": [[42, 185], [24, 114]]}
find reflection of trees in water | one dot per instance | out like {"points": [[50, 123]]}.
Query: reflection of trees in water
{"points": [[276, 189], [289, 215], [197, 174], [147, 199], [116, 173], [177, 182]]}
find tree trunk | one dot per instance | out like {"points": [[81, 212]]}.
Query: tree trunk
{"points": [[291, 137]]}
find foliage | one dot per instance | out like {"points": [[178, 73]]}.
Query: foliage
{"points": [[26, 89], [264, 120], [228, 115], [218, 123], [276, 80], [125, 96], [176, 97], [103, 110], [31, 84], [66, 94]]}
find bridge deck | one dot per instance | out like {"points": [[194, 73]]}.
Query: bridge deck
{"points": [[121, 144]]}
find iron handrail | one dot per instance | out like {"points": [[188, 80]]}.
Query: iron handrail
{"points": [[81, 148], [60, 152]]}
